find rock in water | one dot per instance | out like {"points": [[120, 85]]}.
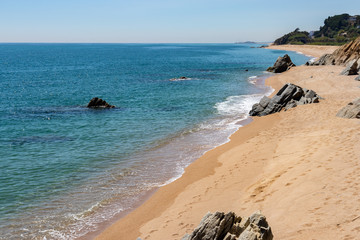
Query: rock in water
{"points": [[352, 110], [351, 68], [180, 79], [282, 64], [289, 96], [99, 103], [219, 226]]}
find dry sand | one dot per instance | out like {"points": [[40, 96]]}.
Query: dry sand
{"points": [[311, 50], [301, 168]]}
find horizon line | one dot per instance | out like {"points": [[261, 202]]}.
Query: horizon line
{"points": [[236, 42]]}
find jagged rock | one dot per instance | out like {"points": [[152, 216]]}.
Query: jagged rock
{"points": [[352, 110], [342, 55], [282, 64], [325, 59], [289, 96], [99, 103], [221, 226], [351, 68]]}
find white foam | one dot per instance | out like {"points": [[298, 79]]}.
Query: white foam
{"points": [[312, 59], [235, 105], [180, 79], [252, 79]]}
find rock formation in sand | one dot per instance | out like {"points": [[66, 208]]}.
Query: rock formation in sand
{"points": [[352, 110], [282, 64], [342, 55], [219, 226], [351, 68], [99, 103], [289, 96]]}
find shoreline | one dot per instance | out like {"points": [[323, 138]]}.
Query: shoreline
{"points": [[308, 50], [118, 217], [197, 192]]}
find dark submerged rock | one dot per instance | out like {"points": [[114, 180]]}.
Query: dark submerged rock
{"points": [[289, 96], [282, 64], [99, 103], [179, 79], [216, 226], [352, 110]]}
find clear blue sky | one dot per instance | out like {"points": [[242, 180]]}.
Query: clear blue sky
{"points": [[145, 21]]}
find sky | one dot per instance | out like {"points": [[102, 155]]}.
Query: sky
{"points": [[162, 21]]}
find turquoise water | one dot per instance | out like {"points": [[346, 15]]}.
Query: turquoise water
{"points": [[65, 169]]}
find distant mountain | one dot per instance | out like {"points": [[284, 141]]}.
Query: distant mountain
{"points": [[337, 30], [247, 42]]}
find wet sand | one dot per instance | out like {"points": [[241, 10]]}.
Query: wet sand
{"points": [[301, 168]]}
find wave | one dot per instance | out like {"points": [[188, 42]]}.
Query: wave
{"points": [[235, 105]]}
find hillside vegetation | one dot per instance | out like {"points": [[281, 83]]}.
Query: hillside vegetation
{"points": [[337, 30]]}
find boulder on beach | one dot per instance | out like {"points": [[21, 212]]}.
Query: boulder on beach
{"points": [[326, 59], [99, 103], [357, 78], [289, 96], [351, 68], [282, 64], [352, 110], [216, 226]]}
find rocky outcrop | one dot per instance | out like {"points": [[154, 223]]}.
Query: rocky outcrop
{"points": [[219, 226], [326, 59], [352, 110], [282, 64], [99, 103], [289, 96], [342, 55], [351, 68]]}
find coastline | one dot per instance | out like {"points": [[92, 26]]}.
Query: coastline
{"points": [[234, 177], [308, 50]]}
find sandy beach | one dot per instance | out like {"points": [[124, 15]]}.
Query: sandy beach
{"points": [[310, 50], [301, 168]]}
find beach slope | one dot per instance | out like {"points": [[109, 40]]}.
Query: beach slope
{"points": [[301, 168]]}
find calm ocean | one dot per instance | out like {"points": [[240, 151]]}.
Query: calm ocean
{"points": [[65, 169]]}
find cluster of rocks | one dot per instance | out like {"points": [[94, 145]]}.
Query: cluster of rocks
{"points": [[221, 226], [99, 103], [289, 96], [282, 64], [347, 55], [352, 110], [342, 55]]}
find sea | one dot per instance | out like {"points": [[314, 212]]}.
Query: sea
{"points": [[66, 170]]}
